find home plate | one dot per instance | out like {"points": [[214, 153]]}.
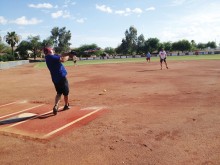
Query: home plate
{"points": [[17, 118]]}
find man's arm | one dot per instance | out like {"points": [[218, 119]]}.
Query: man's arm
{"points": [[159, 54], [165, 53], [65, 56]]}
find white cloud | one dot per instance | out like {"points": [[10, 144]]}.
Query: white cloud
{"points": [[125, 12], [23, 21], [129, 11], [150, 9], [67, 3], [3, 20], [122, 12], [60, 13], [177, 2], [104, 8], [43, 5], [137, 11], [200, 25], [81, 20]]}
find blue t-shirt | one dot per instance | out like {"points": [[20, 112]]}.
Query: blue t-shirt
{"points": [[56, 68], [148, 55]]}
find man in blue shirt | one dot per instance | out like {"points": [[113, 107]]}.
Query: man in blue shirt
{"points": [[148, 55], [58, 75]]}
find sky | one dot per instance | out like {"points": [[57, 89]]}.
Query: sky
{"points": [[104, 22]]}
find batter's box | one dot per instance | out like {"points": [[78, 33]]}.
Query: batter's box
{"points": [[44, 125]]}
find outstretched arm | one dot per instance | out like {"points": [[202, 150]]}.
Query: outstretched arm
{"points": [[65, 56]]}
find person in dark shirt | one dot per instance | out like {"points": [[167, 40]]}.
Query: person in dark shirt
{"points": [[58, 75]]}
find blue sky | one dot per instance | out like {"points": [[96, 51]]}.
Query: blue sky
{"points": [[104, 22]]}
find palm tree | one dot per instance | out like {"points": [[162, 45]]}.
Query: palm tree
{"points": [[12, 39]]}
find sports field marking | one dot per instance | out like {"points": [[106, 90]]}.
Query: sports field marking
{"points": [[21, 111], [7, 104], [92, 108], [71, 123], [28, 119], [31, 118]]}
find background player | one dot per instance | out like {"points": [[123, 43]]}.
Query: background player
{"points": [[163, 56]]}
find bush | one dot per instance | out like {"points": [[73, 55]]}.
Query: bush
{"points": [[6, 57]]}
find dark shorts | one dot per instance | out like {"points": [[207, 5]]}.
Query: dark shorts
{"points": [[161, 60], [148, 58], [62, 87]]}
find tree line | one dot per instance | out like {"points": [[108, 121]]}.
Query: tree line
{"points": [[134, 44], [60, 38]]}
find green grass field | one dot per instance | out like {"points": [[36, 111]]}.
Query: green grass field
{"points": [[153, 59]]}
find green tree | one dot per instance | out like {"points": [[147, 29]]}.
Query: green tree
{"points": [[4, 48], [12, 39], [123, 48], [167, 46], [88, 50], [61, 38], [47, 42], [140, 44], [182, 45], [175, 46], [110, 50], [201, 46], [152, 44], [35, 45], [211, 45], [129, 43], [185, 45], [131, 39], [22, 49], [193, 45]]}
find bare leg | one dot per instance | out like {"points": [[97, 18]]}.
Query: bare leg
{"points": [[66, 100], [161, 65], [57, 99], [56, 106], [166, 65]]}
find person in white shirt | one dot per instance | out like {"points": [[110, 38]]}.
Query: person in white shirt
{"points": [[163, 56]]}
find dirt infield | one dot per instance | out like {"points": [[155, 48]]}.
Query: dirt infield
{"points": [[156, 117]]}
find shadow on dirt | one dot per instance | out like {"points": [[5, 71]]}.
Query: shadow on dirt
{"points": [[148, 70]]}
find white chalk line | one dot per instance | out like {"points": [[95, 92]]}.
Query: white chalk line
{"points": [[23, 101], [7, 104], [34, 117], [71, 123], [93, 108], [21, 111]]}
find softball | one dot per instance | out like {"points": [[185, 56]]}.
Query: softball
{"points": [[104, 90]]}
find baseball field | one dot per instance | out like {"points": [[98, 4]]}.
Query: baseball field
{"points": [[123, 111]]}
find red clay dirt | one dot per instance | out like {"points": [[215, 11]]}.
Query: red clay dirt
{"points": [[156, 117]]}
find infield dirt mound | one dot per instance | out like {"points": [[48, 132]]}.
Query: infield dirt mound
{"points": [[159, 117]]}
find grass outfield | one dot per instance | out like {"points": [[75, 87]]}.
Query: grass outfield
{"points": [[153, 59]]}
